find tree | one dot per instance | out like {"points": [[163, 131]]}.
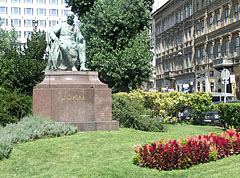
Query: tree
{"points": [[22, 69], [118, 46]]}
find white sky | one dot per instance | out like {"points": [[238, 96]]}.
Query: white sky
{"points": [[158, 3]]}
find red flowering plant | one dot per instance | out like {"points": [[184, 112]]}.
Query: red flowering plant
{"points": [[168, 154]]}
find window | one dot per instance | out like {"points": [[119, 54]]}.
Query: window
{"points": [[181, 37], [16, 22], [218, 19], [197, 26], [210, 23], [53, 12], [4, 22], [236, 11], [53, 1], [18, 34], [203, 3], [186, 61], [28, 23], [65, 12], [181, 15], [63, 2], [190, 9], [164, 45], [211, 73], [3, 0], [203, 56], [186, 12], [227, 48], [190, 33], [27, 34], [198, 56], [3, 10], [53, 23], [28, 1], [15, 1], [41, 11], [28, 11], [197, 5], [15, 10], [237, 46], [177, 40], [211, 55], [227, 16], [218, 50], [42, 23], [41, 1], [176, 16], [202, 26]]}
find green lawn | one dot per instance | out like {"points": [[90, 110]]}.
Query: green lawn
{"points": [[105, 154]]}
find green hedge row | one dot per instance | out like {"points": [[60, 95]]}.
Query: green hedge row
{"points": [[229, 114], [30, 128], [131, 113], [13, 106]]}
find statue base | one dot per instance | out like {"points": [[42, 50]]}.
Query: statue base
{"points": [[78, 98]]}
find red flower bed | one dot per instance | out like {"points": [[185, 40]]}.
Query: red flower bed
{"points": [[168, 154]]}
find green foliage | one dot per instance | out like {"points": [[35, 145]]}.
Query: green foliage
{"points": [[30, 128], [229, 114], [201, 103], [21, 68], [80, 7], [118, 46], [130, 113], [13, 106], [168, 105]]}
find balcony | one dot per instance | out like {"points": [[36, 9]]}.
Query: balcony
{"points": [[168, 75], [222, 63]]}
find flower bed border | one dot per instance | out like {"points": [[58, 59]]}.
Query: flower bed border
{"points": [[168, 154]]}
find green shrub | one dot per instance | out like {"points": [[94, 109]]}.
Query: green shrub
{"points": [[229, 114], [130, 113], [13, 106], [5, 144], [30, 128]]}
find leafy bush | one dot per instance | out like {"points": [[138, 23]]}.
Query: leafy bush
{"points": [[13, 106], [169, 105], [30, 128], [21, 68], [168, 154], [229, 114], [130, 113]]}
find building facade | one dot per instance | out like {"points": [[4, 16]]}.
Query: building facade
{"points": [[194, 40], [21, 14]]}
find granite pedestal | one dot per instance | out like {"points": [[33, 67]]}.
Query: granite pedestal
{"points": [[78, 98]]}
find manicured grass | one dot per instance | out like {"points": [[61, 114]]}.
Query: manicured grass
{"points": [[105, 154]]}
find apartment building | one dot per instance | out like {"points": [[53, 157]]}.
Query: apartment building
{"points": [[194, 40], [21, 14]]}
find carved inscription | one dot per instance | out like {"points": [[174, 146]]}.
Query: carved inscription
{"points": [[73, 98]]}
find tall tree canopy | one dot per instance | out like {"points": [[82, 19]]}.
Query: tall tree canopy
{"points": [[21, 68], [118, 45]]}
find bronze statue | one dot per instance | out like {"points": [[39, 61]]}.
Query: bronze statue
{"points": [[66, 47]]}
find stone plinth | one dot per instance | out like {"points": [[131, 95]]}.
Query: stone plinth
{"points": [[78, 98]]}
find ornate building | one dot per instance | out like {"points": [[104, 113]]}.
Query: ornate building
{"points": [[193, 41]]}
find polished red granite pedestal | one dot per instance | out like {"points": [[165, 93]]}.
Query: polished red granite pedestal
{"points": [[78, 98]]}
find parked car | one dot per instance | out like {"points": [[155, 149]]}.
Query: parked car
{"points": [[212, 116]]}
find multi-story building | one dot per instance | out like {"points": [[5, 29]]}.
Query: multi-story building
{"points": [[21, 14], [194, 41]]}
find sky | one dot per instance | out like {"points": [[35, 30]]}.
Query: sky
{"points": [[158, 3]]}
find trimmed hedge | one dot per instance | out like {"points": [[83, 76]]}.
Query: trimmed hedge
{"points": [[13, 106], [130, 113], [168, 154], [30, 128], [229, 114]]}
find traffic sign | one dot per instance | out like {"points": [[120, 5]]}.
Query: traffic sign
{"points": [[225, 74]]}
